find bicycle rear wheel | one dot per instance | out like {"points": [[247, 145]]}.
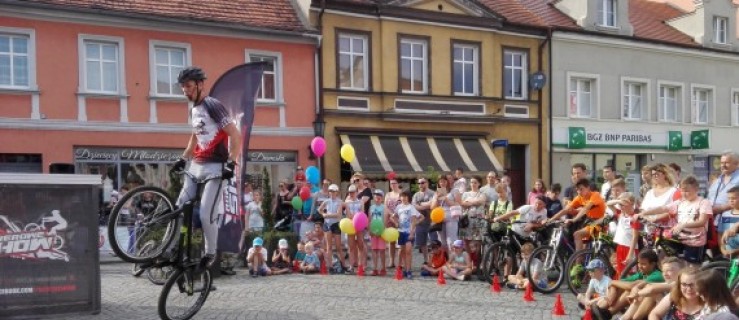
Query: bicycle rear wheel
{"points": [[577, 277], [184, 294], [159, 276], [551, 271], [142, 217]]}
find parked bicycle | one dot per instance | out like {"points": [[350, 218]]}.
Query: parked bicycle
{"points": [[552, 257], [186, 290], [730, 270], [503, 257]]}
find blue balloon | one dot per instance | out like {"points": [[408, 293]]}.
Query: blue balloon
{"points": [[314, 189], [312, 174]]}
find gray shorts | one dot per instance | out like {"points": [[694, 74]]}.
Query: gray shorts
{"points": [[423, 236]]}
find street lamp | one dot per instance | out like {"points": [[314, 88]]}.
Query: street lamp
{"points": [[319, 126]]}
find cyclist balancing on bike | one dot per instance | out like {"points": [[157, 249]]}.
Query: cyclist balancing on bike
{"points": [[587, 207], [214, 147]]}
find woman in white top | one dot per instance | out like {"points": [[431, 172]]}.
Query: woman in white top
{"points": [[663, 188], [449, 200]]}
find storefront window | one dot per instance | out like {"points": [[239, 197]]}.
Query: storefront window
{"points": [[279, 164], [131, 167]]}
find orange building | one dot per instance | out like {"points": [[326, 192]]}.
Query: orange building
{"points": [[91, 85]]}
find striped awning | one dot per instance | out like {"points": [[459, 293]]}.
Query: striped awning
{"points": [[407, 154]]}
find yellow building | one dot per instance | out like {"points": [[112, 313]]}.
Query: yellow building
{"points": [[441, 83]]}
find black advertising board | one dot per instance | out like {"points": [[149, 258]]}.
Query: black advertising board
{"points": [[49, 245]]}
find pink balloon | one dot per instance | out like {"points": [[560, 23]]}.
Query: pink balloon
{"points": [[304, 193], [360, 221], [318, 145]]}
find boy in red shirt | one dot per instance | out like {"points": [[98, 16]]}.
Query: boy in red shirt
{"points": [[438, 260]]}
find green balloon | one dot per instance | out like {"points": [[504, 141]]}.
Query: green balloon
{"points": [[297, 203], [377, 227]]}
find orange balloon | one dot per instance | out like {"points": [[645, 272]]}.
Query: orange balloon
{"points": [[437, 215]]}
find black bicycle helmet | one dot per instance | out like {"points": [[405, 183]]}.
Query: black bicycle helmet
{"points": [[191, 73]]}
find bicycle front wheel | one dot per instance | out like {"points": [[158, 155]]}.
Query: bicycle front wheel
{"points": [[495, 262], [548, 276], [577, 277], [184, 294], [142, 225]]}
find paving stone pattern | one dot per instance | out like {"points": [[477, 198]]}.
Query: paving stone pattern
{"points": [[344, 297]]}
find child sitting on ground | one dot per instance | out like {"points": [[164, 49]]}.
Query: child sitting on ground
{"points": [[644, 297], [438, 259], [598, 286], [310, 264], [300, 254], [281, 259], [520, 280], [617, 297], [256, 259], [460, 265]]}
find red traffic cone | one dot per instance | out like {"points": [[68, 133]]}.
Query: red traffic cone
{"points": [[398, 273], [441, 280], [588, 315], [495, 286], [528, 295], [559, 308], [296, 266], [360, 271], [324, 271]]}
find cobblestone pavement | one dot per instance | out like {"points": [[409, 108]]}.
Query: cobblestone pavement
{"points": [[343, 297]]}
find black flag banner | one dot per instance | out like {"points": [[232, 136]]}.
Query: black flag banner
{"points": [[237, 89]]}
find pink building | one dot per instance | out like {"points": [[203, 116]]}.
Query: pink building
{"points": [[91, 85]]}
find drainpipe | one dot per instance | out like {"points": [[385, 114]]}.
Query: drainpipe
{"points": [[551, 123], [319, 79], [540, 128]]}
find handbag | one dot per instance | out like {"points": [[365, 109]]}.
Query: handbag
{"points": [[435, 227], [464, 221]]}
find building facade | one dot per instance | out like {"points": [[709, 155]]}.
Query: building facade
{"points": [[92, 87], [639, 82], [442, 84]]}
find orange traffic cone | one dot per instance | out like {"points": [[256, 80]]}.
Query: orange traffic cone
{"points": [[559, 308], [398, 273], [495, 286], [588, 315], [441, 280], [528, 295], [324, 271], [360, 271]]}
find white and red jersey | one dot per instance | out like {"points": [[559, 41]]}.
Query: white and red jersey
{"points": [[209, 118]]}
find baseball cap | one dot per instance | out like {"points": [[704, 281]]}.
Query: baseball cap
{"points": [[333, 187], [458, 244], [595, 264], [378, 192], [352, 188], [282, 244], [257, 242]]}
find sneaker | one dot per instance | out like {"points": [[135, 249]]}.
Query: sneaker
{"points": [[263, 273], [375, 273], [581, 306], [228, 272], [511, 286], [425, 273], [206, 262], [349, 271], [383, 272], [252, 273], [409, 275]]}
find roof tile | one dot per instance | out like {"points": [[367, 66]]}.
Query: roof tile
{"points": [[265, 14]]}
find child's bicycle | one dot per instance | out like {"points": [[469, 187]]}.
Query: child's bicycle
{"points": [[506, 251], [599, 245], [186, 290], [552, 257], [665, 246]]}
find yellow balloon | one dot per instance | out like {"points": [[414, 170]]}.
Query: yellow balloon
{"points": [[347, 226], [347, 152], [437, 215], [390, 234]]}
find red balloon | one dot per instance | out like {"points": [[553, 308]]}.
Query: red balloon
{"points": [[304, 193], [391, 175]]}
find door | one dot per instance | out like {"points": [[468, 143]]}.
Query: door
{"points": [[517, 166]]}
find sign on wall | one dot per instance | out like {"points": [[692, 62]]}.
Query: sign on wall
{"points": [[581, 137], [127, 154]]}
